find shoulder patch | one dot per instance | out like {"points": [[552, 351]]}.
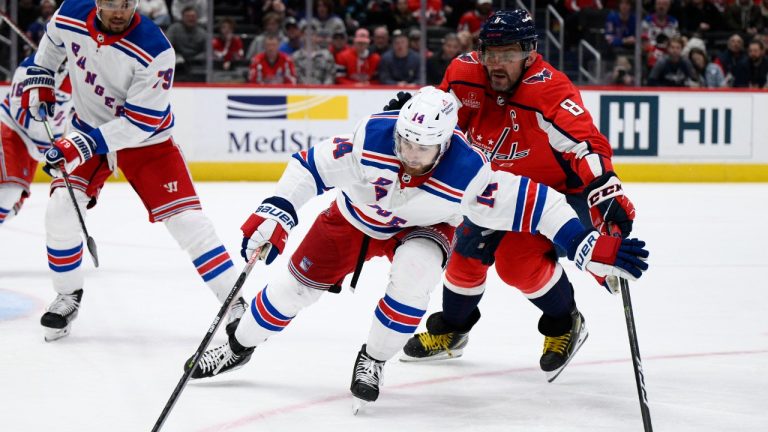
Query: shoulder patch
{"points": [[467, 58], [543, 75]]}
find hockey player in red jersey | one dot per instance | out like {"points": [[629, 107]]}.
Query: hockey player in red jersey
{"points": [[530, 120]]}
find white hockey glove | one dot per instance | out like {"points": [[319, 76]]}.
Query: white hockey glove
{"points": [[70, 151], [267, 228], [39, 92]]}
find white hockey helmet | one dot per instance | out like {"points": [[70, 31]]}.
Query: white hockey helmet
{"points": [[427, 119]]}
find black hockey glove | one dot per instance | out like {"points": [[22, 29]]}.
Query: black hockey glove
{"points": [[396, 104]]}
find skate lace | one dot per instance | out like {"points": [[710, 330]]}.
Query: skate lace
{"points": [[216, 359], [432, 342], [368, 371], [64, 304], [558, 344], [237, 309]]}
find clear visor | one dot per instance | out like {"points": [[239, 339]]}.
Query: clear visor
{"points": [[415, 155], [507, 55], [117, 5]]}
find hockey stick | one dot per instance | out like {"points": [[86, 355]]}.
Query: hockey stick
{"points": [[360, 262], [634, 348], [89, 241], [206, 341]]}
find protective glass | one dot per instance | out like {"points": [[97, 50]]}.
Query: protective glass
{"points": [[117, 5], [488, 56]]}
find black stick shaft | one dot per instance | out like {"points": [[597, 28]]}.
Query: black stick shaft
{"points": [[204, 344], [636, 360], [360, 261]]}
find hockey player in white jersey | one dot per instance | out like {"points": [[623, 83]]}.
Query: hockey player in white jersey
{"points": [[23, 141], [401, 180], [121, 67]]}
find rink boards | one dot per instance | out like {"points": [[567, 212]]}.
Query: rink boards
{"points": [[231, 133]]}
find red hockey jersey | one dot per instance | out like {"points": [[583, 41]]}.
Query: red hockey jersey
{"points": [[540, 130]]}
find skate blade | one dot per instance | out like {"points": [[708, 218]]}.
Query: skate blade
{"points": [[358, 404], [52, 334], [442, 356], [552, 375]]}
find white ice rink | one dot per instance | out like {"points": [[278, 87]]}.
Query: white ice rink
{"points": [[701, 314]]}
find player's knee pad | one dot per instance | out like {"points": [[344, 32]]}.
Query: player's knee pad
{"points": [[529, 276], [290, 296], [61, 221], [10, 197], [190, 228], [416, 271]]}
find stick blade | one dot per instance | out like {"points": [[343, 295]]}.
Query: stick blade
{"points": [[92, 250]]}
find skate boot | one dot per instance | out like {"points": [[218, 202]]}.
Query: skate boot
{"points": [[366, 378], [236, 311], [59, 316], [224, 358], [559, 350], [441, 340]]}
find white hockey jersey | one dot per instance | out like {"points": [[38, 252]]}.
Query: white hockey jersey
{"points": [[372, 194], [32, 132], [121, 83]]}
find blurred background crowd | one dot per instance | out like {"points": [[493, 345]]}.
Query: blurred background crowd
{"points": [[682, 43]]}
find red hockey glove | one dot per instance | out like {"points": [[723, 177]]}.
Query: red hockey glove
{"points": [[608, 204], [267, 228]]}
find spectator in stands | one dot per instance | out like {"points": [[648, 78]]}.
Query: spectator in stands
{"points": [[201, 6], [379, 13], [227, 47], [744, 16], [437, 64], [674, 70], [700, 16], [403, 17], [708, 75], [272, 66], [36, 30], [466, 41], [752, 71], [314, 63], [434, 12], [731, 57], [338, 44], [272, 25], [620, 27], [658, 50], [660, 22], [622, 75], [325, 19], [295, 37], [400, 65], [189, 39], [414, 42], [358, 65], [472, 20], [380, 40], [157, 11]]}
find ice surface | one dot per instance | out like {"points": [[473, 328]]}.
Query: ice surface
{"points": [[700, 314]]}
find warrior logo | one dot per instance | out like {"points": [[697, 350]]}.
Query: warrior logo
{"points": [[540, 77]]}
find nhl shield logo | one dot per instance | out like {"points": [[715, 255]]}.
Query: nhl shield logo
{"points": [[100, 38]]}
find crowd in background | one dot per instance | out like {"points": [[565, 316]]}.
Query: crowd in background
{"points": [[685, 43]]}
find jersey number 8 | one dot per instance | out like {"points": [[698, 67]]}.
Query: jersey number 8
{"points": [[572, 107]]}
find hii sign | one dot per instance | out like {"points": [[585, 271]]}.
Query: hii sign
{"points": [[708, 126], [631, 124]]}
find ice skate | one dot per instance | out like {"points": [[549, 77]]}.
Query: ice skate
{"points": [[58, 318], [225, 358], [366, 379], [558, 351], [441, 340], [236, 311]]}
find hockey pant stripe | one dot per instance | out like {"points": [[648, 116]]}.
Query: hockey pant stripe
{"points": [[266, 314]]}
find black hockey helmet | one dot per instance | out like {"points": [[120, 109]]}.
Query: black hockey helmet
{"points": [[507, 27]]}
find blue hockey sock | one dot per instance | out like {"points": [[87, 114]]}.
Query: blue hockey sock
{"points": [[459, 310]]}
